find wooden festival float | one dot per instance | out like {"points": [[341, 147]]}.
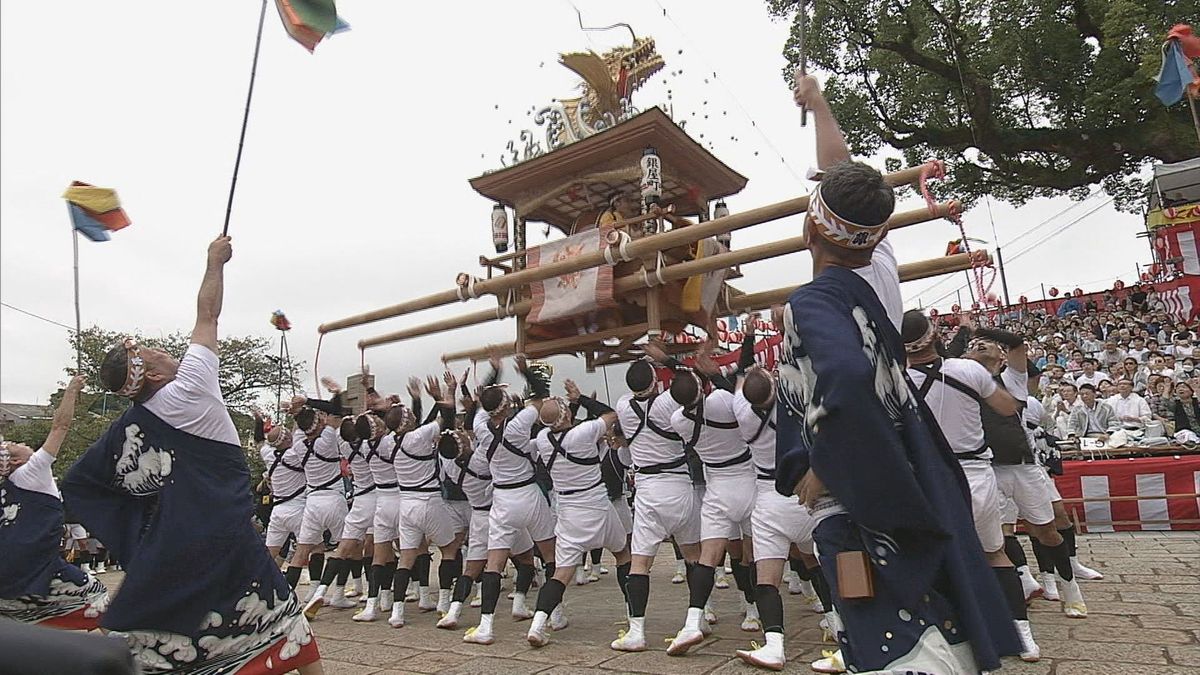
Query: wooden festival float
{"points": [[630, 191]]}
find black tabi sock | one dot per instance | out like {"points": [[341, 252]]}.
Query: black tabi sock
{"points": [[356, 568], [1062, 560], [420, 570], [344, 571], [293, 575], [700, 584], [741, 576], [1068, 535], [678, 553], [623, 580], [797, 566], [1010, 585], [333, 568], [448, 571], [400, 582], [491, 592], [1014, 551], [316, 564], [376, 571], [550, 571], [638, 591], [524, 577], [367, 561], [770, 608], [550, 595], [596, 553], [583, 559], [386, 575], [1041, 553], [462, 589], [821, 587]]}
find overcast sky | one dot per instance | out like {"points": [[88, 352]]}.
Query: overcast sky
{"points": [[353, 191]]}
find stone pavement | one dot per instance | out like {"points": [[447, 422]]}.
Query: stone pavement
{"points": [[1144, 619]]}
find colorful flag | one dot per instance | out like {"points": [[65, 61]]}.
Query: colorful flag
{"points": [[95, 211], [1175, 74], [310, 21]]}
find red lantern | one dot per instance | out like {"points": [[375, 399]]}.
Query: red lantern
{"points": [[1023, 300], [1078, 292], [1118, 285], [933, 313], [955, 308], [1053, 292]]}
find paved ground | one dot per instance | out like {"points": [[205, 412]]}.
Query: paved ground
{"points": [[1144, 619]]}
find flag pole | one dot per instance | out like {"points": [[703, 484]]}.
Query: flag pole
{"points": [[78, 323], [1195, 117], [237, 163]]}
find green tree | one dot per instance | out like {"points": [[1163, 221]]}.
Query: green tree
{"points": [[1021, 98], [249, 375]]}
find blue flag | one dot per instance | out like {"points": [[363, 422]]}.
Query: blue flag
{"points": [[1175, 75]]}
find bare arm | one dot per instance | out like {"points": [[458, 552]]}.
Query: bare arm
{"points": [[831, 143], [212, 292], [62, 416]]}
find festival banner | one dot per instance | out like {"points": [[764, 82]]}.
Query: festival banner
{"points": [[310, 21], [574, 294], [95, 211], [1147, 493]]}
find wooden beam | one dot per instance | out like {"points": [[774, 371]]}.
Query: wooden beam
{"points": [[631, 283], [548, 347], [639, 248]]}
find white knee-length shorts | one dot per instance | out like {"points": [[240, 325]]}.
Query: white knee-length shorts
{"points": [[778, 522], [387, 515], [460, 513], [523, 508], [477, 537], [664, 505], [728, 504], [985, 503], [586, 521], [323, 510], [424, 517], [360, 517], [286, 518], [621, 504], [1025, 493]]}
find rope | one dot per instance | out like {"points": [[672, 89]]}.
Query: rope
{"points": [[658, 269], [40, 318], [237, 163], [469, 287], [316, 363], [621, 245]]}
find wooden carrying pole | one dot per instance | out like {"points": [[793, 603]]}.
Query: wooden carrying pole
{"points": [[633, 282], [636, 249], [742, 303]]}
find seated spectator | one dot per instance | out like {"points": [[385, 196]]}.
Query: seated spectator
{"points": [[1111, 354], [1089, 374], [1158, 367], [1187, 410], [1105, 389], [1135, 373], [1186, 369], [1090, 416], [1137, 349], [1161, 401], [1131, 409]]}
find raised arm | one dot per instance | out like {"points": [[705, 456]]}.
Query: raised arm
{"points": [[212, 292], [831, 143], [63, 415]]}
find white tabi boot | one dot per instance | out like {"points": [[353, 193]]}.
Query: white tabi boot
{"points": [[396, 620], [830, 662], [1049, 586], [481, 634], [751, 623], [386, 599], [1030, 652], [690, 635], [443, 603], [558, 618], [1029, 585], [451, 617], [425, 601], [520, 610], [539, 635], [769, 656], [368, 613], [1084, 572], [338, 599], [1072, 600], [680, 572], [634, 639]]}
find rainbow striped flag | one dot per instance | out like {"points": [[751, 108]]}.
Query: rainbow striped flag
{"points": [[310, 21], [95, 211]]}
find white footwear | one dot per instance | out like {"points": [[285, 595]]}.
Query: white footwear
{"points": [[603, 569], [558, 618], [357, 590], [1080, 571], [690, 635], [831, 662], [814, 603], [1049, 586], [796, 585], [831, 625], [315, 601], [425, 601], [481, 634], [305, 580], [100, 568], [520, 610], [450, 619], [680, 573], [410, 594], [443, 601], [1072, 599], [633, 640], [477, 596], [769, 656], [396, 620], [538, 636], [86, 567], [339, 599], [593, 577], [709, 615], [1029, 585], [751, 623], [722, 580], [386, 600], [368, 613], [1030, 652], [581, 577]]}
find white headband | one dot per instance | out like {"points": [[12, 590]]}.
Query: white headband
{"points": [[840, 231], [135, 369]]}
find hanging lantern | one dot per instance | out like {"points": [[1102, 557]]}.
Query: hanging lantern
{"points": [[652, 185], [1078, 292], [955, 308], [500, 228], [725, 238], [1053, 292], [1023, 300]]}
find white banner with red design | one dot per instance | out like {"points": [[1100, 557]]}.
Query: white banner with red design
{"points": [[574, 294], [766, 354], [1145, 493]]}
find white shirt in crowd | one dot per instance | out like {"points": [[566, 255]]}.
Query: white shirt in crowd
{"points": [[192, 402], [1082, 378], [580, 441], [1131, 406], [506, 467], [762, 449], [284, 480], [957, 413], [649, 448], [413, 472], [34, 475], [714, 445], [884, 277]]}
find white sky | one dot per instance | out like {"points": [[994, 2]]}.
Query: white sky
{"points": [[353, 191]]}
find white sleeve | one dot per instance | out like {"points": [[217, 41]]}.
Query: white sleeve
{"points": [[595, 430], [1016, 382], [422, 437], [35, 476], [198, 373], [679, 423], [542, 444], [979, 379], [518, 430]]}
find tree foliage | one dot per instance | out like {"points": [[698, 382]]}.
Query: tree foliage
{"points": [[1021, 98], [249, 374]]}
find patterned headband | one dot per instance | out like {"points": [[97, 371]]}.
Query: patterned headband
{"points": [[923, 341], [135, 369], [280, 433], [5, 459], [839, 231], [408, 421], [564, 411], [316, 423], [461, 439], [505, 401], [375, 422]]}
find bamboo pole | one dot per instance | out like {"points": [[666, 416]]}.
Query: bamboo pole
{"points": [[634, 282], [548, 347], [639, 248]]}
